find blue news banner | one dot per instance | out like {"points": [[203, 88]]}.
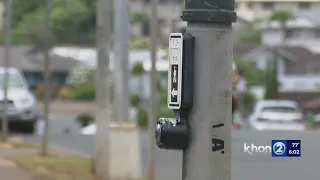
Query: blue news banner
{"points": [[286, 148]]}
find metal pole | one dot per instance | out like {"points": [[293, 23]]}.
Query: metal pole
{"points": [[47, 74], [7, 59], [153, 94], [101, 153], [209, 153], [122, 33]]}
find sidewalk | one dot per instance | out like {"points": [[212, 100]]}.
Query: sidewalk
{"points": [[9, 170]]}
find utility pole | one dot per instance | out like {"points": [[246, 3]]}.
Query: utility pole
{"points": [[47, 74], [153, 94], [7, 59], [208, 156], [121, 72], [101, 154]]}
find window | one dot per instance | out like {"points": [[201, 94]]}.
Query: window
{"points": [[289, 33], [14, 81], [313, 69], [304, 5], [267, 5], [250, 5], [281, 109]]}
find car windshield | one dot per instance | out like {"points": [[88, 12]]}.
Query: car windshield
{"points": [[281, 109], [14, 81]]}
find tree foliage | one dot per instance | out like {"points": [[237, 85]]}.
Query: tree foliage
{"points": [[282, 16], [248, 35], [72, 21], [65, 16], [271, 79], [250, 72], [137, 69]]}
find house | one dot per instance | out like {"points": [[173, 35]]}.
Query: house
{"points": [[299, 68], [257, 9], [89, 57], [299, 72], [303, 30], [31, 63]]}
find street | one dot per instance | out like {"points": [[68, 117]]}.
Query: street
{"points": [[244, 166]]}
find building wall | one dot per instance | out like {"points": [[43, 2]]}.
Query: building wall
{"points": [[300, 83], [251, 9], [293, 76], [295, 36]]}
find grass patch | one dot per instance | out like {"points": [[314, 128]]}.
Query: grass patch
{"points": [[20, 143], [56, 168], [15, 142]]}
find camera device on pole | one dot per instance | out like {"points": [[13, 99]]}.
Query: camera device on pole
{"points": [[173, 133]]}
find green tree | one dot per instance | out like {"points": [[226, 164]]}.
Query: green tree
{"points": [[250, 72], [248, 35], [282, 16], [271, 81], [272, 89], [65, 17], [138, 71], [22, 8], [249, 101], [143, 20]]}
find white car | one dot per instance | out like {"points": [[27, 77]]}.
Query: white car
{"points": [[276, 115], [21, 110]]}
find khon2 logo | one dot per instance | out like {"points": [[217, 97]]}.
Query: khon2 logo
{"points": [[286, 148], [279, 148]]}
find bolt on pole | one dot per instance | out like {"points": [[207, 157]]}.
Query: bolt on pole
{"points": [[208, 156], [7, 59], [47, 76], [153, 94]]}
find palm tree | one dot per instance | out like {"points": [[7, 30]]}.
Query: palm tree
{"points": [[282, 16]]}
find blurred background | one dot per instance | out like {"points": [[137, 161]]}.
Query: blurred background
{"points": [[276, 75]]}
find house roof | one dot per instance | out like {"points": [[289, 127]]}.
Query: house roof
{"points": [[312, 17], [241, 49], [298, 53], [290, 52], [300, 20], [25, 58]]}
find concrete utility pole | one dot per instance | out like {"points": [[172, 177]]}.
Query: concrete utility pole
{"points": [[153, 94], [7, 59], [209, 153], [121, 72], [102, 115], [47, 74]]}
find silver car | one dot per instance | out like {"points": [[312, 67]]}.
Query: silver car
{"points": [[21, 110], [277, 115]]}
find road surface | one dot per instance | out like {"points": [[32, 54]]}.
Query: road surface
{"points": [[244, 166]]}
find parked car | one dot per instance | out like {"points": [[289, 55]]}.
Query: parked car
{"points": [[276, 115], [21, 102]]}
